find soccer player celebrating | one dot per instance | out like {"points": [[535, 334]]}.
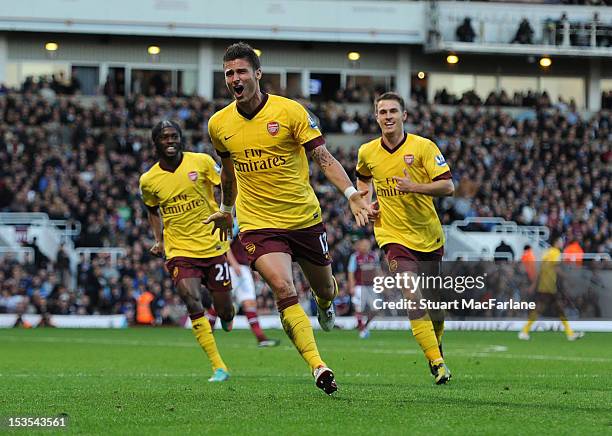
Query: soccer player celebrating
{"points": [[180, 188], [363, 266], [263, 141], [407, 172]]}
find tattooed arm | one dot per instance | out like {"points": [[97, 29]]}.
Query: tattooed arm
{"points": [[337, 176], [331, 168], [229, 188], [222, 219]]}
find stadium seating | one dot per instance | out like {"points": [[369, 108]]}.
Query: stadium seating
{"points": [[78, 160]]}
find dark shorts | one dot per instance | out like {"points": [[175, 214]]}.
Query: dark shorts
{"points": [[549, 303], [309, 243], [212, 271], [403, 259]]}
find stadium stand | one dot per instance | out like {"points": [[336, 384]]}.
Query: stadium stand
{"points": [[550, 170], [529, 146]]}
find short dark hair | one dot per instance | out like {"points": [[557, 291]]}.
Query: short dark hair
{"points": [[242, 50], [389, 96], [157, 129]]}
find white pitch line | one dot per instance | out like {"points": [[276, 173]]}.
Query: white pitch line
{"points": [[119, 342], [277, 375], [509, 377], [486, 352], [541, 357], [189, 375]]}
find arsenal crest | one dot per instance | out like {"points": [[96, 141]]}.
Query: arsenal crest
{"points": [[273, 128], [193, 176], [250, 248], [393, 265], [409, 158]]}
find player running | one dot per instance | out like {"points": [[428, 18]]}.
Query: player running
{"points": [[243, 288], [547, 292], [363, 266], [263, 141], [179, 187], [407, 171]]}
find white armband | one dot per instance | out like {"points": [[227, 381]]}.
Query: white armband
{"points": [[348, 192], [226, 209]]}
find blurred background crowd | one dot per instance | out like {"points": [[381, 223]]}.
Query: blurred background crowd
{"points": [[78, 159]]}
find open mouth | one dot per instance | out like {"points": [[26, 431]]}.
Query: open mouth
{"points": [[171, 149], [238, 90]]}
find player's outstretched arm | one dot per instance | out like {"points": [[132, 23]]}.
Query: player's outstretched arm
{"points": [[222, 219], [438, 188], [155, 222], [360, 206]]}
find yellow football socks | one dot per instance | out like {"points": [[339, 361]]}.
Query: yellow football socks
{"points": [[533, 315], [438, 327], [324, 304], [204, 335], [566, 326], [298, 328], [423, 332]]}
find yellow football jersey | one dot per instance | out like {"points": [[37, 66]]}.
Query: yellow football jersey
{"points": [[548, 271], [185, 198], [268, 151], [405, 218]]}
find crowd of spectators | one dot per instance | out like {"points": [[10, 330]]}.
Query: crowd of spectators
{"points": [[527, 99], [530, 99], [79, 162], [52, 85], [561, 31]]}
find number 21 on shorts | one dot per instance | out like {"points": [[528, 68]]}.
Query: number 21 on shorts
{"points": [[223, 272]]}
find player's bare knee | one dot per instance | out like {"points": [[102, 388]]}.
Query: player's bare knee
{"points": [[226, 314], [249, 305], [194, 306], [282, 288], [325, 291], [191, 300], [225, 311], [223, 305], [414, 314]]}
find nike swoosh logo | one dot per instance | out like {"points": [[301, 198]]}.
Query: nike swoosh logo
{"points": [[227, 283], [228, 137]]}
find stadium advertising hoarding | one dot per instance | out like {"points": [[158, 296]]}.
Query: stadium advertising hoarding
{"points": [[495, 289]]}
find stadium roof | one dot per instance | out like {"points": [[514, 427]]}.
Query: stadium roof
{"points": [[299, 20]]}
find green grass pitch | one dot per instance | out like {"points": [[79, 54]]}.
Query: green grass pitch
{"points": [[153, 381]]}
